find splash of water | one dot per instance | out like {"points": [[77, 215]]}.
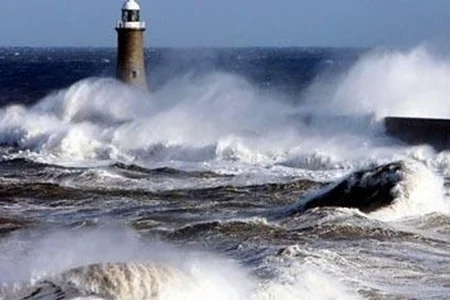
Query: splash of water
{"points": [[78, 264], [411, 83], [222, 117], [420, 192], [60, 265]]}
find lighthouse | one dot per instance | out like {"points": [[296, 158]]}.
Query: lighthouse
{"points": [[130, 47]]}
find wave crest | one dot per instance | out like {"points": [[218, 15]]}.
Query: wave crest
{"points": [[388, 192]]}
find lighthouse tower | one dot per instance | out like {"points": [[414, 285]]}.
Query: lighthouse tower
{"points": [[130, 48]]}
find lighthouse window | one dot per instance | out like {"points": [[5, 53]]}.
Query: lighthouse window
{"points": [[134, 74], [133, 16], [130, 15]]}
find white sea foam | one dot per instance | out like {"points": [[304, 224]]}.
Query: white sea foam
{"points": [[404, 83], [416, 190], [115, 264], [222, 122], [103, 119], [312, 275], [420, 192], [222, 117], [305, 282]]}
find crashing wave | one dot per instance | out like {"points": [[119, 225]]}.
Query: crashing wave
{"points": [[105, 281], [389, 191], [127, 281]]}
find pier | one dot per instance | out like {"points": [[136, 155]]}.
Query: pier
{"points": [[417, 131]]}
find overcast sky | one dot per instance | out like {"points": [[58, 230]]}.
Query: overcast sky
{"points": [[187, 23]]}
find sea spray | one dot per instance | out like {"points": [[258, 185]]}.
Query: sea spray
{"points": [[105, 119], [218, 117], [304, 281], [114, 263], [387, 192], [340, 252], [76, 265], [412, 83], [420, 192]]}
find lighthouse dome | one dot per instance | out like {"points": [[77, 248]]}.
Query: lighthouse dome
{"points": [[131, 5]]}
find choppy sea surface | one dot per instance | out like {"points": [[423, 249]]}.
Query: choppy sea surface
{"points": [[187, 191]]}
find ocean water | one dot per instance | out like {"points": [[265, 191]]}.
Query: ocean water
{"points": [[183, 192]]}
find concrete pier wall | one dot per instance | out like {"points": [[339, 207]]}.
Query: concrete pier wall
{"points": [[417, 131]]}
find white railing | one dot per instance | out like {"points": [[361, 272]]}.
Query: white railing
{"points": [[131, 25]]}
